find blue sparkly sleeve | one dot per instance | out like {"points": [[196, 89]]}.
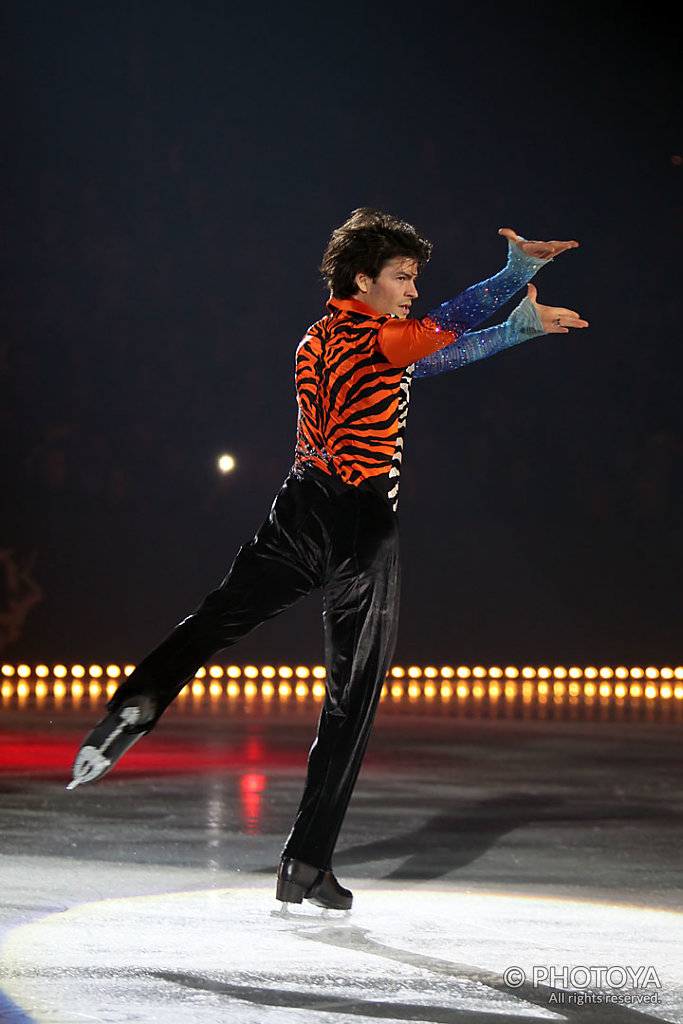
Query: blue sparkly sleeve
{"points": [[522, 324], [481, 300]]}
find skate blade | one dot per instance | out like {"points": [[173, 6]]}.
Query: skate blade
{"points": [[308, 912], [89, 765]]}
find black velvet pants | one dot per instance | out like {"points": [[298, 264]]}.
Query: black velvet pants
{"points": [[319, 533]]}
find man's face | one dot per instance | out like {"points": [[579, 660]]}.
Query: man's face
{"points": [[393, 290]]}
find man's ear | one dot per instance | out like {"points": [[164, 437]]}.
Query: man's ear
{"points": [[362, 281]]}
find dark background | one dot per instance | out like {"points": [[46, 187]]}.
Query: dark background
{"points": [[173, 171]]}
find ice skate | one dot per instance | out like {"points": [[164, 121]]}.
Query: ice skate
{"points": [[297, 881], [111, 738]]}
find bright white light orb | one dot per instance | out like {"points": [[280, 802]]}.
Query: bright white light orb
{"points": [[226, 463]]}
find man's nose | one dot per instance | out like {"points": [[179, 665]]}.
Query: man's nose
{"points": [[412, 290]]}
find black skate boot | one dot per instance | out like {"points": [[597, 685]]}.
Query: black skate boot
{"points": [[111, 738], [297, 881]]}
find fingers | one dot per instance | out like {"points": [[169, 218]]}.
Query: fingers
{"points": [[563, 324], [531, 291], [563, 246], [510, 234]]}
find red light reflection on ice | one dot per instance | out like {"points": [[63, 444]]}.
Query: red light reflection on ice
{"points": [[252, 787]]}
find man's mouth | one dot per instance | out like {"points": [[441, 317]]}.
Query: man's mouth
{"points": [[405, 308]]}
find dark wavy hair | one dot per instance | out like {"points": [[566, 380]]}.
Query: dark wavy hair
{"points": [[364, 243]]}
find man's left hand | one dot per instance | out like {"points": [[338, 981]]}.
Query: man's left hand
{"points": [[541, 250], [555, 319]]}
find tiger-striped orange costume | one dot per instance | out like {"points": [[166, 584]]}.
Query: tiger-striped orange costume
{"points": [[353, 371]]}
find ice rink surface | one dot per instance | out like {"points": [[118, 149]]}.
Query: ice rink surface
{"points": [[503, 871]]}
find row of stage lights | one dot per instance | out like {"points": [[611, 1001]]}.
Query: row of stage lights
{"points": [[413, 682]]}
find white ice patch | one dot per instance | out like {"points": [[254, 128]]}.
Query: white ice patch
{"points": [[400, 955]]}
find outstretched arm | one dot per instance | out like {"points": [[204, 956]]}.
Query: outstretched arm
{"points": [[403, 342], [529, 320]]}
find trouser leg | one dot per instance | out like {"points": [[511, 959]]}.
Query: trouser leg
{"points": [[280, 565], [361, 592]]}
